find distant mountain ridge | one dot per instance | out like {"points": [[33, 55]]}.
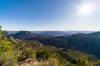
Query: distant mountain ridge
{"points": [[24, 35], [63, 33], [53, 33]]}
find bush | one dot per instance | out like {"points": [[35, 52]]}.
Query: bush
{"points": [[26, 53], [8, 56], [42, 54]]}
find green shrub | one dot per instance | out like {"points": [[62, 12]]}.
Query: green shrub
{"points": [[8, 56]]}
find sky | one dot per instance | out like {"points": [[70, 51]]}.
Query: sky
{"points": [[50, 15]]}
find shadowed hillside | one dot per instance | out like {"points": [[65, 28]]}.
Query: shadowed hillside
{"points": [[89, 43]]}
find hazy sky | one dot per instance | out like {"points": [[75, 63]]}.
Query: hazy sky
{"points": [[50, 14]]}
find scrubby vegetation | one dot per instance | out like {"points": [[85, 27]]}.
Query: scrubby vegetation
{"points": [[17, 52]]}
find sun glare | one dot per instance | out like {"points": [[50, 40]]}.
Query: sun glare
{"points": [[86, 9]]}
